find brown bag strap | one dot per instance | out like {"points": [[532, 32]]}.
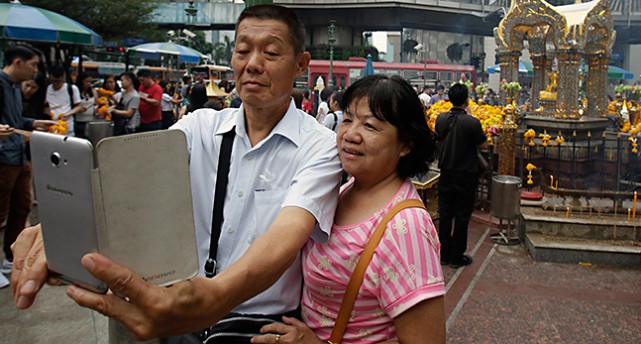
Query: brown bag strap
{"points": [[359, 272]]}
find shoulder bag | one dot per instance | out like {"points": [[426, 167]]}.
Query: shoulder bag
{"points": [[359, 272]]}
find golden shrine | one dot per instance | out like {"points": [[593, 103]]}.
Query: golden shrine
{"points": [[566, 34]]}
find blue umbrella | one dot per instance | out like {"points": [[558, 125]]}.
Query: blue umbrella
{"points": [[369, 66], [524, 68], [27, 23], [153, 51]]}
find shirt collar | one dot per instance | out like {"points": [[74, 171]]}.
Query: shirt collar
{"points": [[287, 127]]}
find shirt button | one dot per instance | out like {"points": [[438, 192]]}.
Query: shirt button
{"points": [[249, 156], [230, 229], [240, 194]]}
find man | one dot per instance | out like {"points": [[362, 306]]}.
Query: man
{"points": [[425, 96], [459, 136], [334, 119], [185, 88], [150, 97], [20, 64], [440, 95], [63, 98], [282, 189]]}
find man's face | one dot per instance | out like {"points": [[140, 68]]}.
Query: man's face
{"points": [[265, 63], [27, 68], [57, 82], [145, 81], [440, 92]]}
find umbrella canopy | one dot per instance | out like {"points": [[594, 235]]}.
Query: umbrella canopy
{"points": [[153, 51], [369, 66], [614, 72], [26, 23], [524, 68]]}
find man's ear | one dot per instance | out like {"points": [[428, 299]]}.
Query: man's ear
{"points": [[302, 63]]}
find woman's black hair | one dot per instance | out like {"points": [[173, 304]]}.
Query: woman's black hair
{"points": [[197, 97], [81, 77], [111, 76], [394, 100]]}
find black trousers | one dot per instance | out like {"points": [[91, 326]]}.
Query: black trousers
{"points": [[456, 192]]}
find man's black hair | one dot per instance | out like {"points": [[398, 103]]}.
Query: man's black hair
{"points": [[22, 51], [57, 71], [282, 14], [144, 73], [458, 94], [325, 93]]}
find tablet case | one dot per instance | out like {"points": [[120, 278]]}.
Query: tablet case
{"points": [[143, 205]]}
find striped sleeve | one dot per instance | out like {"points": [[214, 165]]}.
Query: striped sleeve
{"points": [[406, 267]]}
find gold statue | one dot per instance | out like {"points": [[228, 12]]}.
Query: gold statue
{"points": [[550, 91]]}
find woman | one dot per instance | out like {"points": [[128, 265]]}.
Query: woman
{"points": [[33, 97], [307, 104], [110, 84], [88, 98], [125, 115], [167, 103], [197, 99], [382, 142]]}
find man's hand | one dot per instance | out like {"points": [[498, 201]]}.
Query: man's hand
{"points": [[148, 311], [29, 271], [5, 131], [42, 125]]}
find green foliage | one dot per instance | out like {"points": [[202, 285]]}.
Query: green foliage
{"points": [[222, 51], [113, 19], [199, 43], [511, 89]]}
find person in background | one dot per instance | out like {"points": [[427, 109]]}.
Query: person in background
{"points": [[150, 97], [440, 95], [297, 95], [197, 99], [63, 98], [323, 107], [20, 64], [425, 96], [110, 84], [184, 91], [33, 97], [334, 118], [383, 141], [167, 104], [306, 105], [283, 179], [88, 97], [126, 117], [460, 135]]}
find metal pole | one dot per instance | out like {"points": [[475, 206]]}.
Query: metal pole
{"points": [[331, 29]]}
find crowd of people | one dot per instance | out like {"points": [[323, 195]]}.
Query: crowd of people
{"points": [[293, 222]]}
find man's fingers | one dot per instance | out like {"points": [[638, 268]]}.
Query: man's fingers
{"points": [[120, 280], [29, 270]]}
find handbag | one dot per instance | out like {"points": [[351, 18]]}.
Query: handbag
{"points": [[358, 275], [120, 123]]}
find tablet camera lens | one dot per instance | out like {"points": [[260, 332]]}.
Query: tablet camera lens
{"points": [[55, 158]]}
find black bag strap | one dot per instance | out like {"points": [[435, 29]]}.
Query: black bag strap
{"points": [[335, 121], [222, 176]]}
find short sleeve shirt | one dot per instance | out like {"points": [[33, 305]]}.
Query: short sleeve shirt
{"points": [[404, 271], [148, 112], [295, 165], [60, 103]]}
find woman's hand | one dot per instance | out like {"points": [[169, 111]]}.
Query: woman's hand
{"points": [[292, 331], [5, 131]]}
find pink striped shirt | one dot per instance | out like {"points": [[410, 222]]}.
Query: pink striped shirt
{"points": [[404, 271]]}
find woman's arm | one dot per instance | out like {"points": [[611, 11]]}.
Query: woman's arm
{"points": [[423, 323]]}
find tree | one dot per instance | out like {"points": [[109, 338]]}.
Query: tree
{"points": [[113, 19], [223, 51], [199, 43]]}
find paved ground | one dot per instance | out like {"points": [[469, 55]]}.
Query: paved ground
{"points": [[503, 297]]}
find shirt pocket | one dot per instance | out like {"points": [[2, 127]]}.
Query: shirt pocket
{"points": [[267, 205]]}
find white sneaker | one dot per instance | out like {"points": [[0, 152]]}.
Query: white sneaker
{"points": [[6, 266], [3, 281]]}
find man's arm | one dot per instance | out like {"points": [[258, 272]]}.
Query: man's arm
{"points": [[155, 97], [150, 311]]}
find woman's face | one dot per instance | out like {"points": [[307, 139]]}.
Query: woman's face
{"points": [[86, 83], [110, 84], [369, 148], [29, 88], [125, 81]]}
